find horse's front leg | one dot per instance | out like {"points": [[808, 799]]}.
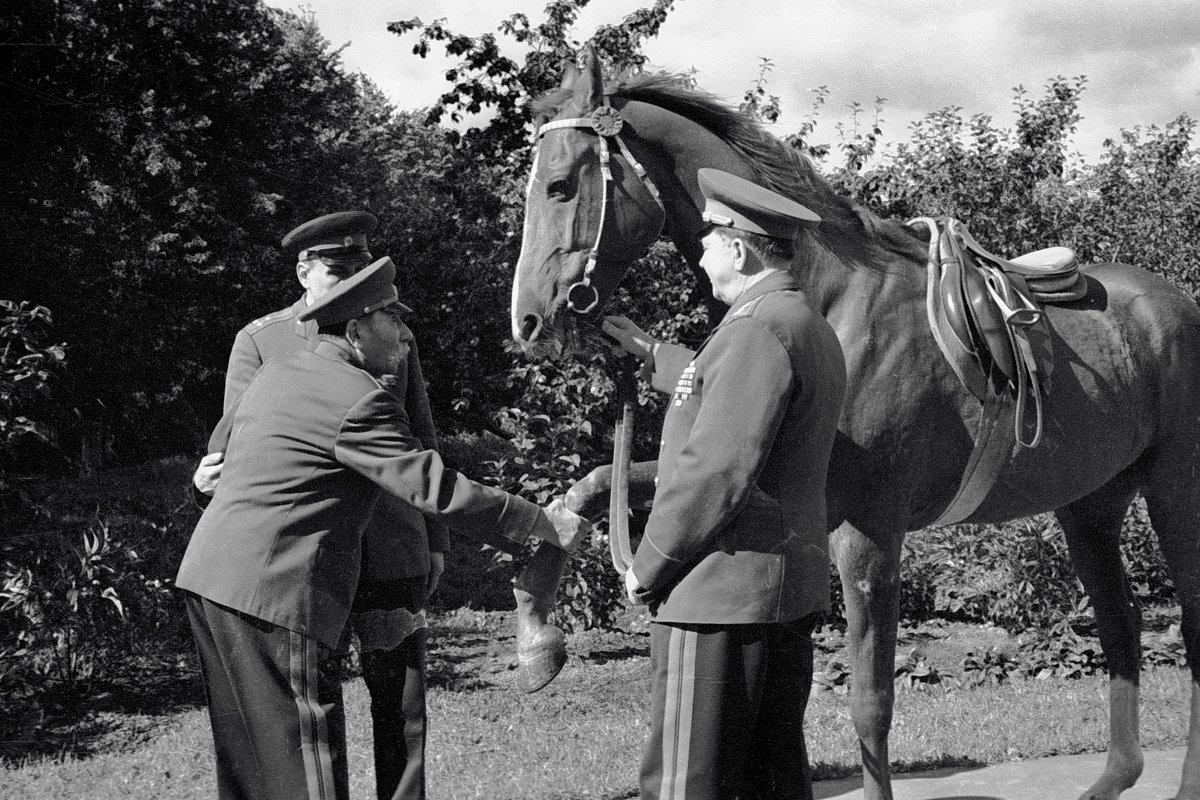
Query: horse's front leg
{"points": [[869, 566], [541, 649]]}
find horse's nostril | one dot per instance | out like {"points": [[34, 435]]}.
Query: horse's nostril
{"points": [[531, 326], [559, 189]]}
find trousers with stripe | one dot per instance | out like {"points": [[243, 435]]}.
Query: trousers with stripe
{"points": [[727, 712], [278, 723]]}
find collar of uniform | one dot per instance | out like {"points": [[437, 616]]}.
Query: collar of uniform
{"points": [[778, 281], [297, 307], [334, 351]]}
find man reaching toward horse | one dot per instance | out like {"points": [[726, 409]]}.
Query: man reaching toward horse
{"points": [[734, 562], [272, 567]]}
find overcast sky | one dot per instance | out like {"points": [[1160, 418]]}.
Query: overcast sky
{"points": [[1141, 57]]}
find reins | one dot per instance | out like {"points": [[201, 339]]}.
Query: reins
{"points": [[582, 298]]}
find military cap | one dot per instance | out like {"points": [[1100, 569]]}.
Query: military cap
{"points": [[335, 237], [733, 202], [363, 292]]}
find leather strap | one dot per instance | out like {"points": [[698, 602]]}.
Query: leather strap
{"points": [[619, 547], [993, 446]]}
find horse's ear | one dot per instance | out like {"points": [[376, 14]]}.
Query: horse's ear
{"points": [[590, 90], [570, 74]]}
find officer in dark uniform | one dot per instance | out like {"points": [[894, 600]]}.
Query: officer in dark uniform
{"points": [[403, 553], [271, 570], [734, 562]]}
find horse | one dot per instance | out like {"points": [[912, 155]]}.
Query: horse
{"points": [[1121, 417]]}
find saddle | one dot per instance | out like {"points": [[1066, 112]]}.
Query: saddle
{"points": [[986, 314], [992, 307]]}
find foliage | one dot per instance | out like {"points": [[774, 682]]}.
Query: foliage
{"points": [[485, 79], [157, 151], [914, 673], [73, 601], [1020, 188], [1018, 575], [27, 364], [993, 666], [1060, 652], [86, 584]]}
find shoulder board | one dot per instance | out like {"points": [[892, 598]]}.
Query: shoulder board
{"points": [[743, 311], [276, 316]]}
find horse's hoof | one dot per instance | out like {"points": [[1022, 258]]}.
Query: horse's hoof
{"points": [[541, 663]]}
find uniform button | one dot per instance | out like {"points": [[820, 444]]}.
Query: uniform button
{"points": [[662, 443], [656, 480]]}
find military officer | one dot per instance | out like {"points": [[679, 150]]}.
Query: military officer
{"points": [[403, 553], [734, 560], [271, 570]]}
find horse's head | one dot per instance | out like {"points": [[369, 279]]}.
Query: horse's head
{"points": [[588, 214]]}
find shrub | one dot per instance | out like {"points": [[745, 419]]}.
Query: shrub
{"points": [[27, 364], [82, 591], [1017, 575]]}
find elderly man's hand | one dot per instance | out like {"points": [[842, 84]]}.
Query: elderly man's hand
{"points": [[569, 527], [629, 337], [208, 474], [631, 587]]}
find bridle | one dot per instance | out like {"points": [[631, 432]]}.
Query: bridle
{"points": [[606, 121], [582, 298]]}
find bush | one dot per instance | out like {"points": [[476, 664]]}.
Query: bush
{"points": [[27, 364], [87, 583], [1018, 575]]}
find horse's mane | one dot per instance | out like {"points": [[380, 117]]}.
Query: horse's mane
{"points": [[853, 234]]}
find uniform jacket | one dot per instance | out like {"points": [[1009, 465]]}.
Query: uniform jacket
{"points": [[399, 538], [311, 442], [737, 533]]}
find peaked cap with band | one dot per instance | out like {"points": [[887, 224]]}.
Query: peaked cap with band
{"points": [[341, 236], [362, 293], [734, 202]]}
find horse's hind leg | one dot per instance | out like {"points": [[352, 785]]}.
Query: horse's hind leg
{"points": [[1173, 500], [869, 566], [1093, 528]]}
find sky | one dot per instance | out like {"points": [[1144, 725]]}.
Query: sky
{"points": [[1141, 57]]}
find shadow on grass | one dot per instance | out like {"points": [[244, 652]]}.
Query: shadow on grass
{"points": [[466, 658], [88, 718], [831, 779], [605, 655]]}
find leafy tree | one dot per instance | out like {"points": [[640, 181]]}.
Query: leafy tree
{"points": [[157, 151], [485, 79]]}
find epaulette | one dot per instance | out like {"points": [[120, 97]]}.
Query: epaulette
{"points": [[744, 310], [275, 316]]}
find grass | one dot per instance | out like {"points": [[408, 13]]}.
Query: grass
{"points": [[582, 736]]}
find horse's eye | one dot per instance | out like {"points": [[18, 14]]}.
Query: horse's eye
{"points": [[560, 188]]}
